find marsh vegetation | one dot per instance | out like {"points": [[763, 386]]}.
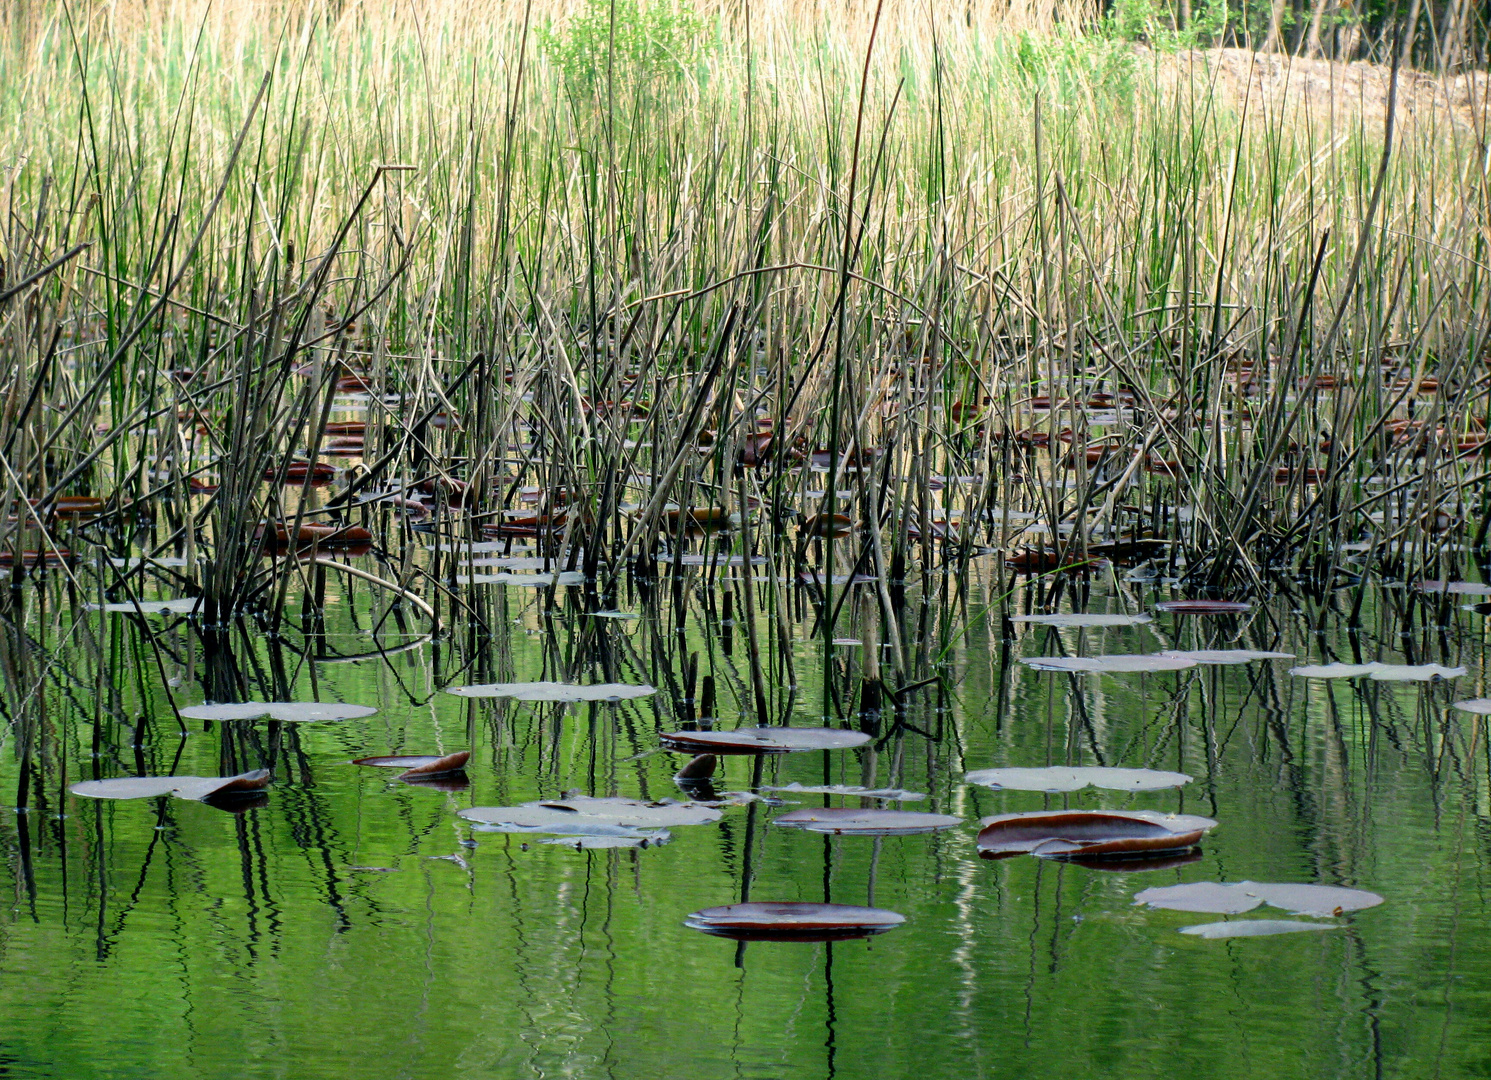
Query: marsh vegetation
{"points": [[615, 422]]}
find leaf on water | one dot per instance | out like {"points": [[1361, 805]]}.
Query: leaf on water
{"points": [[1332, 671], [1208, 896], [1064, 778], [893, 794], [290, 712], [1082, 620], [184, 605], [420, 765], [813, 577], [1088, 834], [1413, 672], [531, 581], [714, 560], [1109, 665], [183, 787], [553, 691], [564, 815], [1213, 897], [788, 921], [763, 740], [1203, 607], [1227, 656], [1214, 931], [1455, 588], [846, 820]]}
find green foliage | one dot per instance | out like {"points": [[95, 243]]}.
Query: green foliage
{"points": [[632, 41], [1156, 23]]}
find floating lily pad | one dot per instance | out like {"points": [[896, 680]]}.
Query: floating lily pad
{"points": [[892, 794], [1109, 665], [1254, 928], [789, 921], [184, 605], [1216, 898], [1203, 607], [1065, 778], [1227, 656], [841, 820], [1455, 588], [420, 765], [1413, 672], [528, 581], [714, 560], [553, 691], [290, 712], [564, 815], [517, 562], [1109, 834], [1332, 671], [763, 740], [1082, 620], [247, 784]]}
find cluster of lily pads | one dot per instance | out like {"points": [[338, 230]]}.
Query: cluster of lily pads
{"points": [[1105, 839]]}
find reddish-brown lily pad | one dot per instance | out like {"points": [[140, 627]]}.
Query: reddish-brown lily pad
{"points": [[420, 765], [1089, 834], [791, 921], [763, 740], [846, 820]]}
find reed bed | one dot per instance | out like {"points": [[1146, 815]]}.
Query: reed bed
{"points": [[868, 291]]}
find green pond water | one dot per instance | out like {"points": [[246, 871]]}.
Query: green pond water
{"points": [[353, 926]]}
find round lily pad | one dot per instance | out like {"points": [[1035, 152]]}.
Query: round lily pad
{"points": [[420, 765], [561, 815], [1063, 778], [1110, 665], [1297, 899], [553, 691], [845, 820], [1082, 620], [1227, 656]]}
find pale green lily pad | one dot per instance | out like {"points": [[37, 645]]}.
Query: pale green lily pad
{"points": [[554, 691]]}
